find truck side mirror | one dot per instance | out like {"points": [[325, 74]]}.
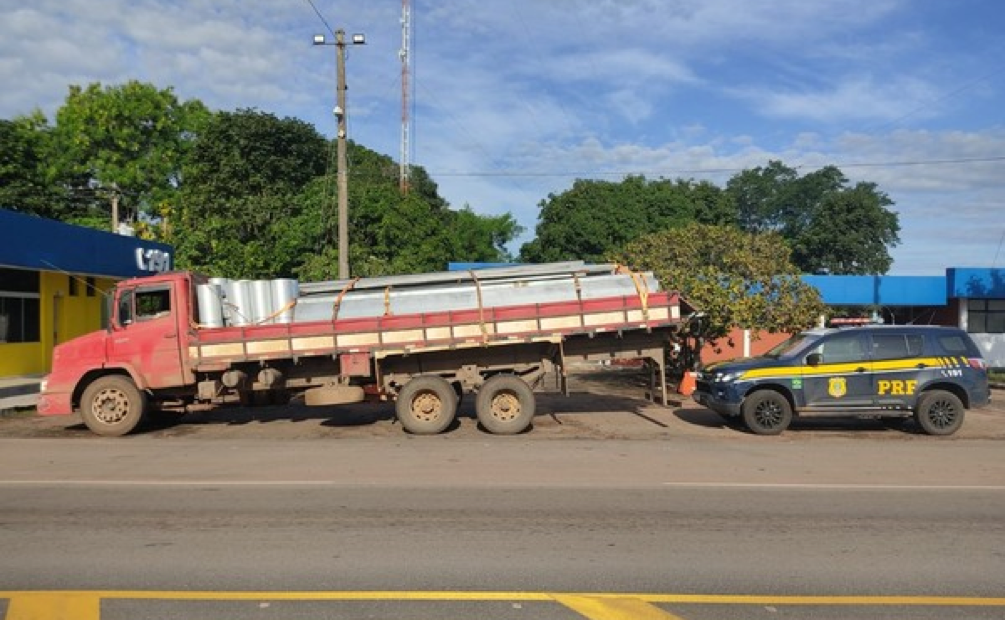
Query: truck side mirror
{"points": [[814, 359]]}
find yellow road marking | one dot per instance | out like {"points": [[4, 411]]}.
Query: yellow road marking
{"points": [[86, 605], [598, 608], [53, 606]]}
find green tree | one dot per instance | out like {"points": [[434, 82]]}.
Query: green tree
{"points": [[735, 278], [594, 218], [24, 178], [125, 143], [829, 226], [242, 210], [260, 201]]}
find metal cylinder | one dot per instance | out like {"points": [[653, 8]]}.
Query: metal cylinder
{"points": [[270, 377], [211, 312], [284, 291], [240, 301], [261, 292], [233, 378]]}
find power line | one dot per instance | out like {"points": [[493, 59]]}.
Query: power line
{"points": [[321, 17]]}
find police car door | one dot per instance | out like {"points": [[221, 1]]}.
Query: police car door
{"points": [[897, 366], [837, 372]]}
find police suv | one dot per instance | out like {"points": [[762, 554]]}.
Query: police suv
{"points": [[931, 372]]}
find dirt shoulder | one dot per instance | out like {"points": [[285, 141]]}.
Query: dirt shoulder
{"points": [[605, 403]]}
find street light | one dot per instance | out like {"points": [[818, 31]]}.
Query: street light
{"points": [[340, 118]]}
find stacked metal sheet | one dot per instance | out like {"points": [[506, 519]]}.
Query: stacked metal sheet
{"points": [[227, 302]]}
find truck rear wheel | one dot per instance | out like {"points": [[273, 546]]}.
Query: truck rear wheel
{"points": [[766, 413], [113, 406], [505, 405], [426, 405], [939, 413]]}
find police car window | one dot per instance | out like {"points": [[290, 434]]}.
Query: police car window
{"points": [[896, 346], [842, 348], [953, 344]]}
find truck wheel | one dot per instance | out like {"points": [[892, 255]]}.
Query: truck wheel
{"points": [[939, 413], [426, 405], [113, 406], [766, 413], [505, 405]]}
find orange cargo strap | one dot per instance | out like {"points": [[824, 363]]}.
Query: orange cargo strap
{"points": [[387, 301], [478, 297], [342, 293], [643, 291], [289, 306]]}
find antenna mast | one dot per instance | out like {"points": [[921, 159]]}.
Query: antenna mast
{"points": [[403, 54]]}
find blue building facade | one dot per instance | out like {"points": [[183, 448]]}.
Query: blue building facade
{"points": [[52, 279]]}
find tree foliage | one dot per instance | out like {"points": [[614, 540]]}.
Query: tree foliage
{"points": [[735, 278], [830, 226], [593, 218], [24, 184], [128, 140], [241, 212], [260, 201]]}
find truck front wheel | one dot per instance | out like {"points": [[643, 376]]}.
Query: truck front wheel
{"points": [[505, 405], [426, 405], [113, 406]]}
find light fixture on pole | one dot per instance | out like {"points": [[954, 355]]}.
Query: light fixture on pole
{"points": [[340, 139]]}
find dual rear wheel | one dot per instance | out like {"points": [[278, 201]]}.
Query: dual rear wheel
{"points": [[427, 405]]}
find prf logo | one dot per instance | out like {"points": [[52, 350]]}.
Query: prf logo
{"points": [[157, 261], [836, 387]]}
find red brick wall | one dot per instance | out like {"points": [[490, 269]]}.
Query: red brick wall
{"points": [[728, 348]]}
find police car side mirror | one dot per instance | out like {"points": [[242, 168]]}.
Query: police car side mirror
{"points": [[814, 359]]}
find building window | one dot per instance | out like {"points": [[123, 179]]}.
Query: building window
{"points": [[73, 288], [19, 306], [985, 316], [91, 288]]}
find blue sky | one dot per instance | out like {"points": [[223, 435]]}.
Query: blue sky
{"points": [[514, 99]]}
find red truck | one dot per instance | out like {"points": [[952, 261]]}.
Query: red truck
{"points": [[155, 351]]}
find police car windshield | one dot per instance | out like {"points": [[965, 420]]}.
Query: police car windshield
{"points": [[792, 346]]}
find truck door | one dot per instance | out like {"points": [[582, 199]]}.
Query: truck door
{"points": [[145, 334], [899, 368], [837, 372]]}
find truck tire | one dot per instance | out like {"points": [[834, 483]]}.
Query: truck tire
{"points": [[939, 413], [426, 405], [113, 406], [766, 413], [505, 405]]}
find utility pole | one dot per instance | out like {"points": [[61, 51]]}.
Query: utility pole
{"points": [[342, 173], [340, 140]]}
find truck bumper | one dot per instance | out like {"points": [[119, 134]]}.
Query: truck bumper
{"points": [[54, 403]]}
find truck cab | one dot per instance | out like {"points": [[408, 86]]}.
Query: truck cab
{"points": [[141, 348]]}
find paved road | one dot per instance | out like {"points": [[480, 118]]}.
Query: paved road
{"points": [[610, 508], [830, 517]]}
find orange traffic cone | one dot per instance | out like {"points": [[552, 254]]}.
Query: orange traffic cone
{"points": [[687, 385]]}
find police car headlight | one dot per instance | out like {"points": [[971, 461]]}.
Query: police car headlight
{"points": [[727, 377]]}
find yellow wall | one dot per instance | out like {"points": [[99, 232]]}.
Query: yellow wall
{"points": [[64, 316]]}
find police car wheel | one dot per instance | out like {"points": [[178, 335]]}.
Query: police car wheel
{"points": [[766, 413], [939, 413]]}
